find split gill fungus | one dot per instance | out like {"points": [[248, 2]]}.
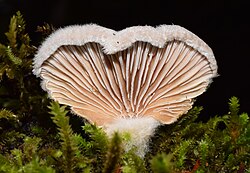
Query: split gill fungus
{"points": [[131, 80]]}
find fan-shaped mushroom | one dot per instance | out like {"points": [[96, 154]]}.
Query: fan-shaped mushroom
{"points": [[141, 73]]}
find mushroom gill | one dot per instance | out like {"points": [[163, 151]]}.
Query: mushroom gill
{"points": [[139, 72]]}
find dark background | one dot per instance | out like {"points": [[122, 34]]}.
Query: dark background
{"points": [[223, 25]]}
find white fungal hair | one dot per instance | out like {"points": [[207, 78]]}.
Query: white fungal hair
{"points": [[139, 129]]}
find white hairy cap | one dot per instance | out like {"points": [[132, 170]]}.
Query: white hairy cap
{"points": [[128, 79]]}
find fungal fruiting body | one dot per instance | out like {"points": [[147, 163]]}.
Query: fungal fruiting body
{"points": [[130, 81]]}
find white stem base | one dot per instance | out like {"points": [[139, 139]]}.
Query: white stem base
{"points": [[139, 129]]}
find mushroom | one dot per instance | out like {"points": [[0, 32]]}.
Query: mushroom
{"points": [[131, 80]]}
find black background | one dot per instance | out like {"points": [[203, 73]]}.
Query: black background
{"points": [[223, 25]]}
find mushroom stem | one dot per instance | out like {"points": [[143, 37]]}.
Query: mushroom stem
{"points": [[139, 130]]}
